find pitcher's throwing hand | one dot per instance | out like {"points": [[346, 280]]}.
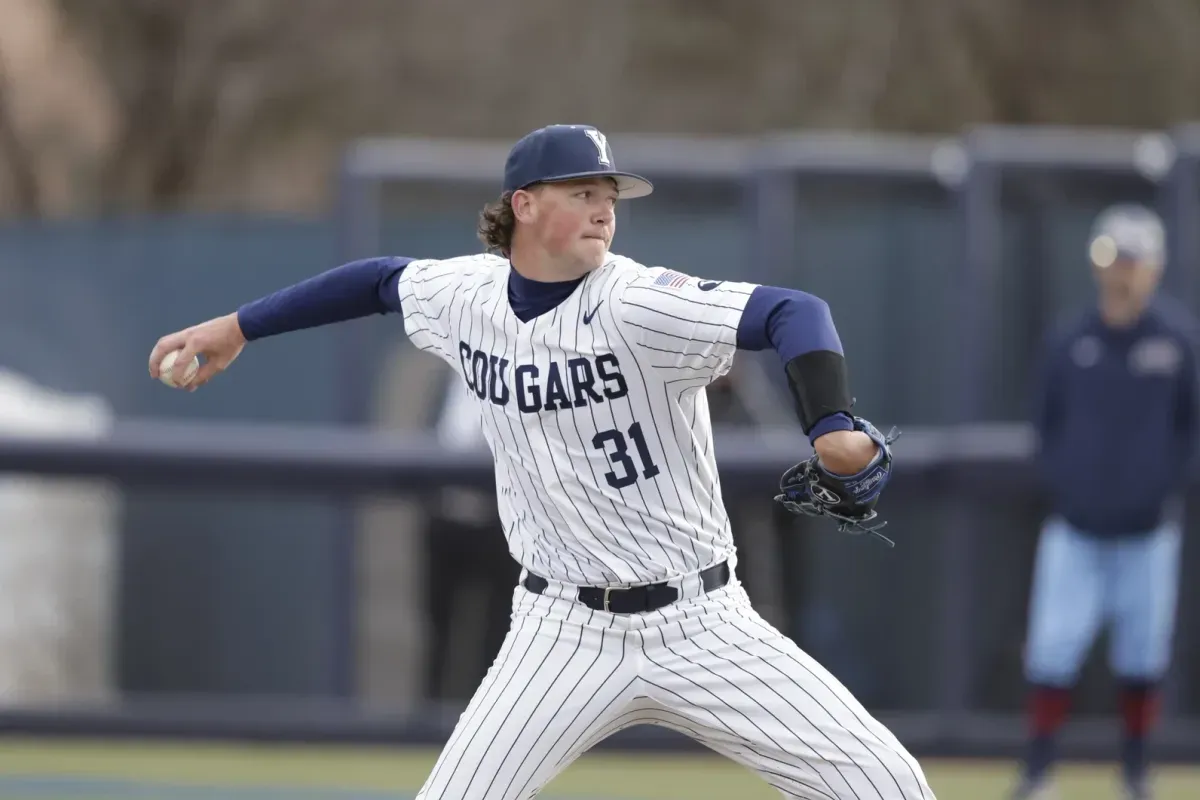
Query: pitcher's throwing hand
{"points": [[219, 341]]}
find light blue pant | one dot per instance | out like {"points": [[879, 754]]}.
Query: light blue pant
{"points": [[1081, 581]]}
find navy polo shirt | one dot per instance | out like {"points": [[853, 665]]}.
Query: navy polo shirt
{"points": [[1116, 418]]}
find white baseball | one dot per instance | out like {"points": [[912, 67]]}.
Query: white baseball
{"points": [[164, 369]]}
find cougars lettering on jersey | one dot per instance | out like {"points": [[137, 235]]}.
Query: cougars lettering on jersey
{"points": [[595, 411]]}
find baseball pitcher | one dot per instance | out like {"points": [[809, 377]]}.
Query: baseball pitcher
{"points": [[589, 370]]}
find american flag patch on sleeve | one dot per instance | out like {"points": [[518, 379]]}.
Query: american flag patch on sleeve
{"points": [[672, 280]]}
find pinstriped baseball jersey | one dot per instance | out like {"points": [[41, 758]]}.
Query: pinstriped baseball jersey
{"points": [[595, 411], [596, 415]]}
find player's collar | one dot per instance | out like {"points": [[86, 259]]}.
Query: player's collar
{"points": [[530, 298]]}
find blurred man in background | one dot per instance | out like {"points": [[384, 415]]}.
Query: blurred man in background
{"points": [[1116, 418], [471, 574]]}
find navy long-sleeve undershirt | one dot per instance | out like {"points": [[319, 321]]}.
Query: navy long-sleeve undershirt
{"points": [[353, 290], [788, 321], [792, 323]]}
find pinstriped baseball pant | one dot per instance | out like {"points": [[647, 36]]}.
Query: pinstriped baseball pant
{"points": [[708, 667]]}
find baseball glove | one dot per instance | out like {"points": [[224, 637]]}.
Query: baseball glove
{"points": [[809, 489]]}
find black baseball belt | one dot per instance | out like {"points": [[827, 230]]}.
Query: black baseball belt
{"points": [[635, 599]]}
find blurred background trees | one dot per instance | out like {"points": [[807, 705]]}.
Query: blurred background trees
{"points": [[130, 105]]}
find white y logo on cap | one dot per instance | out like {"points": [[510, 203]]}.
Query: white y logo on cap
{"points": [[601, 143]]}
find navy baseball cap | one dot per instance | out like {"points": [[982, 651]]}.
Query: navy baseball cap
{"points": [[566, 152], [1130, 232]]}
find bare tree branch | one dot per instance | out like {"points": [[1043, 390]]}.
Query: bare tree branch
{"points": [[876, 26], [17, 155], [177, 70]]}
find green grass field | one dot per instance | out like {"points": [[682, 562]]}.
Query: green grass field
{"points": [[58, 770]]}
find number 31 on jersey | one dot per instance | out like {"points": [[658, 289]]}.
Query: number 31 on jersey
{"points": [[625, 471]]}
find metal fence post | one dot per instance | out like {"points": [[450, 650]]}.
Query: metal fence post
{"points": [[773, 215], [358, 217], [357, 214], [1182, 214], [979, 200]]}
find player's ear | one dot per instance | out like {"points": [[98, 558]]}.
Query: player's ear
{"points": [[524, 205]]}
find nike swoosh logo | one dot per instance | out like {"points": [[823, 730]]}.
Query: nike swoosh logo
{"points": [[587, 317], [708, 286]]}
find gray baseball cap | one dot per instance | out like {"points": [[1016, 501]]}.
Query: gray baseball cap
{"points": [[1127, 231]]}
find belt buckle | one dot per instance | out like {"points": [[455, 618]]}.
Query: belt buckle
{"points": [[607, 592]]}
